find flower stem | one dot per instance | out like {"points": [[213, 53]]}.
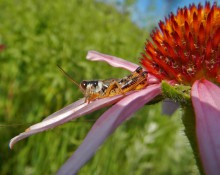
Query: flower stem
{"points": [[190, 131]]}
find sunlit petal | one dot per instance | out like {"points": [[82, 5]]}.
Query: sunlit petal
{"points": [[105, 125], [113, 61], [206, 102], [66, 114]]}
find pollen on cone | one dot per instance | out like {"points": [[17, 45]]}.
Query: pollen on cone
{"points": [[186, 46]]}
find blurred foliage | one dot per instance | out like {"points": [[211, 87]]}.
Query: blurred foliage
{"points": [[39, 35]]}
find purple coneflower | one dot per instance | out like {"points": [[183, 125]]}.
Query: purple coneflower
{"points": [[183, 61]]}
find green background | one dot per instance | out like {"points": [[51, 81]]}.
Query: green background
{"points": [[39, 35]]}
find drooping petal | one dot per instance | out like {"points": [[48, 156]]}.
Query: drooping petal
{"points": [[118, 62], [64, 115], [105, 125], [169, 107], [206, 103]]}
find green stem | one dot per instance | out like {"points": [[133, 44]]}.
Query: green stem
{"points": [[190, 131], [181, 94]]}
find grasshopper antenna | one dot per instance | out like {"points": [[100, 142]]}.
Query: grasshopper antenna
{"points": [[69, 77]]}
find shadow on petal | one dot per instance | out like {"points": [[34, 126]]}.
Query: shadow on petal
{"points": [[169, 107]]}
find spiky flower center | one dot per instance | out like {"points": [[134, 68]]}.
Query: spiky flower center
{"points": [[186, 47]]}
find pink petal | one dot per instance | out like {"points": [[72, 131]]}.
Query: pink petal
{"points": [[206, 102], [106, 124], [118, 62], [169, 107], [113, 61], [66, 114], [152, 79]]}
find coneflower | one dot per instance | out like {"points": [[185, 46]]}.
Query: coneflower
{"points": [[186, 50], [186, 47], [182, 59]]}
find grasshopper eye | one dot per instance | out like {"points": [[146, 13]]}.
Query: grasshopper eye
{"points": [[83, 84], [96, 83]]}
